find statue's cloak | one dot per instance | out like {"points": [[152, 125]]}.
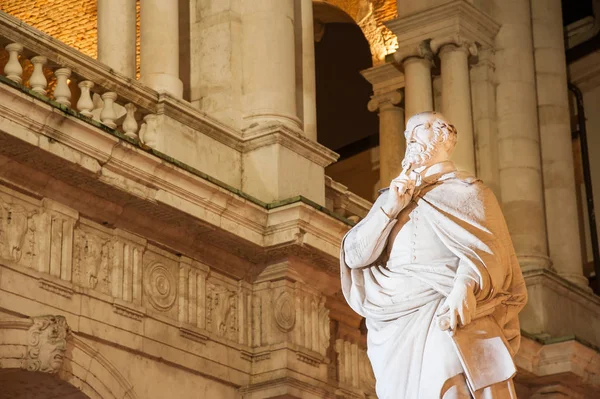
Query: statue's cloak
{"points": [[405, 344]]}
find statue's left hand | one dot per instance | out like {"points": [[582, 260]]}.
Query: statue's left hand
{"points": [[460, 304]]}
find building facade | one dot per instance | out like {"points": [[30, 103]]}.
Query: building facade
{"points": [[172, 196]]}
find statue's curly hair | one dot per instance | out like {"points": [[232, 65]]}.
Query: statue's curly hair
{"points": [[444, 131]]}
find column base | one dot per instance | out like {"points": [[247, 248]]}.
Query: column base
{"points": [[163, 82], [577, 279]]}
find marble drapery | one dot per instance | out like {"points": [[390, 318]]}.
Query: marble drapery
{"points": [[397, 273]]}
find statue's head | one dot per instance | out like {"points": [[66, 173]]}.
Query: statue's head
{"points": [[430, 139], [47, 343]]}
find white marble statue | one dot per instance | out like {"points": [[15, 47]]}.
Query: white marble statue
{"points": [[433, 270]]}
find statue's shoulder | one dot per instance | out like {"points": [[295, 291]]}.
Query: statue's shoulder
{"points": [[460, 176]]}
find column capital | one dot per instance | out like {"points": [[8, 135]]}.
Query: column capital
{"points": [[455, 42], [392, 98], [421, 50]]}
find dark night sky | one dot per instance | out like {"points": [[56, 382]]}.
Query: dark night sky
{"points": [[574, 10]]}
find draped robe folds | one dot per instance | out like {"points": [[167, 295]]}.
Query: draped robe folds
{"points": [[411, 357]]}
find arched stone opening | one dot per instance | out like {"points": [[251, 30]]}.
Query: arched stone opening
{"points": [[344, 123], [22, 384], [41, 359]]}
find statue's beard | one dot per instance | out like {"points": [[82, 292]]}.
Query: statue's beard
{"points": [[419, 154]]}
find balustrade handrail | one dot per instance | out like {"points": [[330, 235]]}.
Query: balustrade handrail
{"points": [[128, 95]]}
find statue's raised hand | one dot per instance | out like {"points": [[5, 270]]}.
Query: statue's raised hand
{"points": [[400, 194], [460, 305]]}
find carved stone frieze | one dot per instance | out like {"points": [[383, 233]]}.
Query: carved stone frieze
{"points": [[18, 229], [160, 286], [284, 312], [353, 366], [92, 260], [221, 311], [46, 344]]}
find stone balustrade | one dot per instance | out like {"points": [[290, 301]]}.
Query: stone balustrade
{"points": [[71, 90], [344, 203]]}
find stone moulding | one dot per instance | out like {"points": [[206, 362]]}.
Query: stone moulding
{"points": [[453, 17], [255, 357], [128, 312], [61, 289], [193, 335]]}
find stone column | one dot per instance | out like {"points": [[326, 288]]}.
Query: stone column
{"points": [[116, 35], [392, 144], [555, 134], [159, 52], [456, 96], [387, 82], [518, 134], [418, 91], [483, 100], [269, 73], [309, 108]]}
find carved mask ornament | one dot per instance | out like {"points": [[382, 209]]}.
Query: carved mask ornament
{"points": [[47, 343]]}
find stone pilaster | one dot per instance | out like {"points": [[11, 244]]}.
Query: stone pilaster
{"points": [[518, 134], [555, 135]]}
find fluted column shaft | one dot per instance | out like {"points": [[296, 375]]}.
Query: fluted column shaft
{"points": [[116, 35], [518, 133], [392, 144], [417, 89], [159, 52], [269, 73], [456, 102], [555, 134]]}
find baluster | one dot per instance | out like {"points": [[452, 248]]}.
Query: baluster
{"points": [[38, 81], [108, 114], [130, 125], [148, 135], [13, 68], [62, 92], [85, 103]]}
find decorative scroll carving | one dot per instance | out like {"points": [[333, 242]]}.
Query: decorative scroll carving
{"points": [[47, 343], [284, 312], [221, 311], [160, 286]]}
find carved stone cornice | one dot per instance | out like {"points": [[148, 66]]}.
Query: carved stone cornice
{"points": [[384, 78], [454, 17]]}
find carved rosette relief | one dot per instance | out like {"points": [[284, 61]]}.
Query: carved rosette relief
{"points": [[221, 311], [18, 233], [92, 261], [160, 286], [284, 312], [47, 343]]}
